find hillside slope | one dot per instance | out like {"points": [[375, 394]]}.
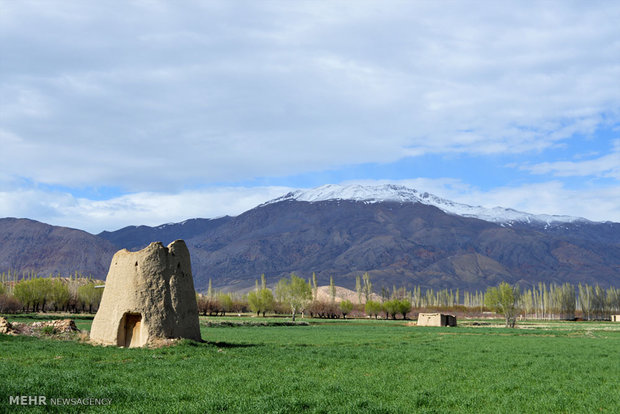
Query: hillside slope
{"points": [[397, 243], [30, 246], [400, 236]]}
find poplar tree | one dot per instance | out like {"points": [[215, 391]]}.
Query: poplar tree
{"points": [[315, 287], [504, 299], [210, 292], [367, 286]]}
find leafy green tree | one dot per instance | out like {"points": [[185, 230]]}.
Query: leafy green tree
{"points": [[254, 301], [358, 289], [34, 292], [261, 301], [267, 300], [396, 306], [43, 291], [225, 302], [504, 299], [60, 295], [90, 296], [295, 292], [24, 292], [373, 308], [392, 307], [404, 307], [346, 306]]}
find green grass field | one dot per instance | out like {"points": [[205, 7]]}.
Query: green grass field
{"points": [[332, 366]]}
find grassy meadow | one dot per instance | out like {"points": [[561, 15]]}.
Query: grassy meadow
{"points": [[330, 366]]}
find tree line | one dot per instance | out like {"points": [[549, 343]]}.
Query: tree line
{"points": [[295, 295], [33, 293]]}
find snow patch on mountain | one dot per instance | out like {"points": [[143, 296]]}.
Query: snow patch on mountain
{"points": [[402, 194]]}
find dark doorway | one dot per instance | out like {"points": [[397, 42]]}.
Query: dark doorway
{"points": [[129, 330]]}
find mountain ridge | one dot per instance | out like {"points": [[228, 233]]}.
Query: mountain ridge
{"points": [[400, 193], [31, 246], [400, 242]]}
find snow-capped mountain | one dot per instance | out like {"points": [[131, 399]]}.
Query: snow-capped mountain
{"points": [[402, 194], [404, 241]]}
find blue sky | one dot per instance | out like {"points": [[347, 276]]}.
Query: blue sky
{"points": [[145, 112]]}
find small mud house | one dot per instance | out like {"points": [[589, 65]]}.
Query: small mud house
{"points": [[149, 296], [436, 319]]}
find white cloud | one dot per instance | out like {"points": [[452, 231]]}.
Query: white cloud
{"points": [[149, 96], [151, 209], [607, 166], [154, 98]]}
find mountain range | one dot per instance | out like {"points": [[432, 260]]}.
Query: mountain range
{"points": [[400, 236]]}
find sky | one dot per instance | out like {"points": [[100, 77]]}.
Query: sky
{"points": [[117, 113]]}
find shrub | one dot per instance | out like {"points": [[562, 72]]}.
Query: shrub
{"points": [[321, 309], [9, 304], [48, 330]]}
